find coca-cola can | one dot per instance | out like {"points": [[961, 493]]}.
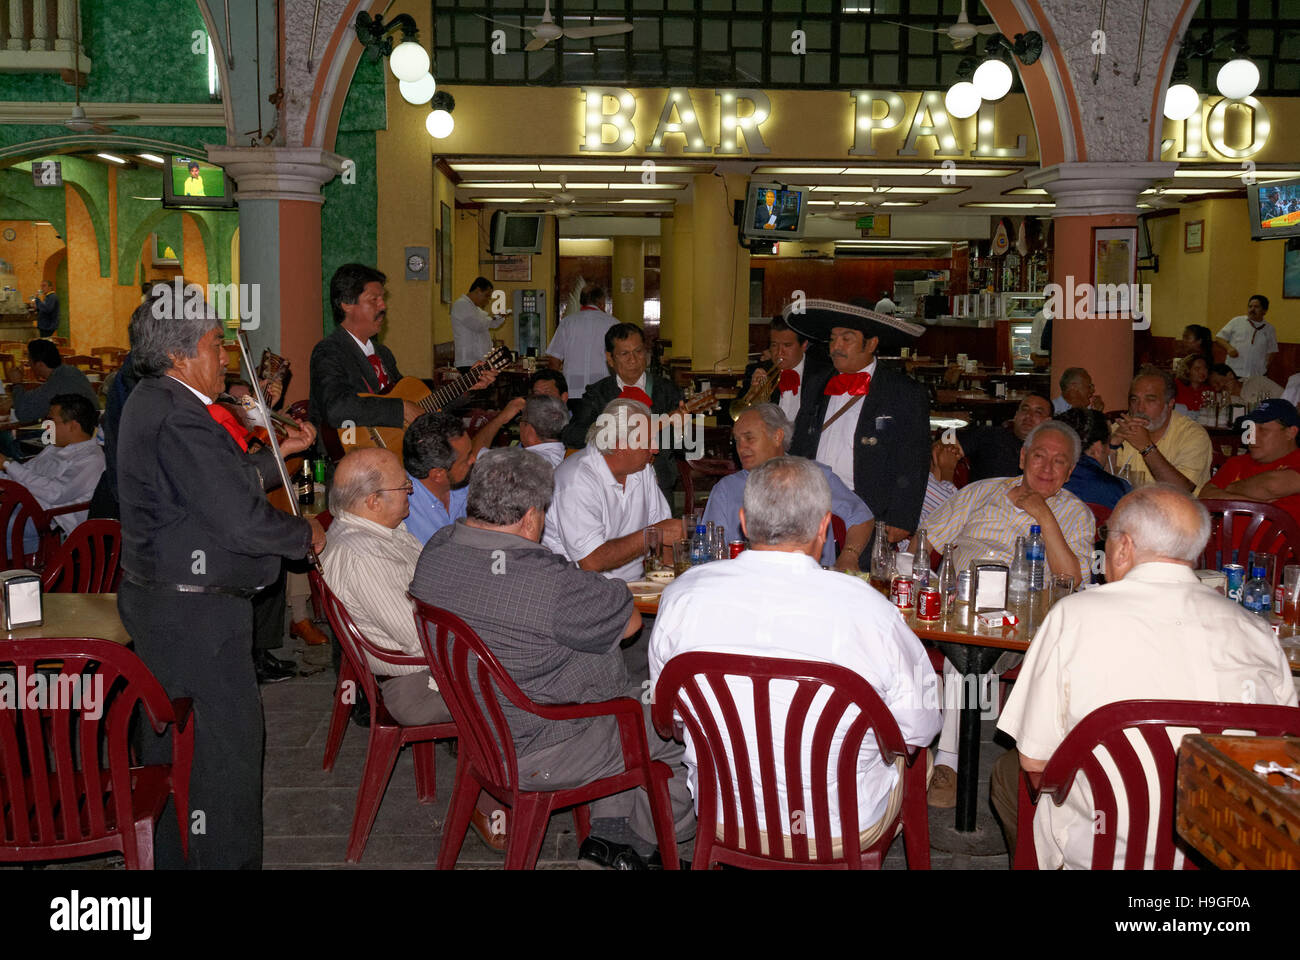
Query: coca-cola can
{"points": [[900, 592], [736, 547], [927, 604]]}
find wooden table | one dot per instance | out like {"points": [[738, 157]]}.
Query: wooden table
{"points": [[79, 615]]}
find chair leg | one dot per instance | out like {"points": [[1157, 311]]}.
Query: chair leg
{"points": [[582, 822], [916, 816], [426, 771], [381, 757], [661, 807], [464, 793], [339, 714], [527, 831], [137, 845]]}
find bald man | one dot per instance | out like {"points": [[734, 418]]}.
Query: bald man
{"points": [[369, 564], [1153, 632]]}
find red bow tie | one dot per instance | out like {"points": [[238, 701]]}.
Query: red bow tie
{"points": [[789, 382], [856, 384], [635, 393], [231, 423]]}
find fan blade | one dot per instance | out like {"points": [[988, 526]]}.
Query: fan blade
{"points": [[535, 44], [503, 23], [100, 128], [910, 27], [115, 119], [582, 33], [962, 43], [988, 28]]}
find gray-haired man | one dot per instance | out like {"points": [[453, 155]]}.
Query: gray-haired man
{"points": [[561, 645]]}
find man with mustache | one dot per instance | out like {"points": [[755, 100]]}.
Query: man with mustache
{"points": [[1156, 443]]}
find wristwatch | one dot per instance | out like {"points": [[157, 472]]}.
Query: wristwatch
{"points": [[1147, 449]]}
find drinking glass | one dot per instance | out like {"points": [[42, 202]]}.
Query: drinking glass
{"points": [[689, 519], [1062, 587], [718, 543], [681, 557], [653, 544], [1291, 594], [1266, 560]]}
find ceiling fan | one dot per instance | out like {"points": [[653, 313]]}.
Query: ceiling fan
{"points": [[548, 30], [78, 121], [962, 33], [845, 211]]}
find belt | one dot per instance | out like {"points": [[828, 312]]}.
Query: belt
{"points": [[244, 593]]}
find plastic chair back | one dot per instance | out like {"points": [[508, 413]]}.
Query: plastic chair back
{"points": [[18, 508], [687, 685], [838, 531], [1240, 527], [1100, 513], [68, 787], [1106, 727], [88, 561]]}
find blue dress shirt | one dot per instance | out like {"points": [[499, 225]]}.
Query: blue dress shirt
{"points": [[428, 515], [1092, 484]]}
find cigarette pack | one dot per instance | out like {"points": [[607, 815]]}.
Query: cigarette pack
{"points": [[997, 618]]}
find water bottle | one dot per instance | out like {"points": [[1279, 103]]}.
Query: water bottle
{"points": [[700, 545], [921, 563], [1018, 582], [948, 580], [1256, 595], [1036, 558]]}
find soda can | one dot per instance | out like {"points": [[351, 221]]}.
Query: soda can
{"points": [[927, 604], [963, 586], [736, 548], [1236, 575], [900, 592]]}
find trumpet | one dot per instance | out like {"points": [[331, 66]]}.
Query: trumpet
{"points": [[760, 390]]}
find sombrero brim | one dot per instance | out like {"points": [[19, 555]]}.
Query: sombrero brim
{"points": [[817, 318]]}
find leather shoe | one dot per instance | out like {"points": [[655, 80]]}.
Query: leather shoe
{"points": [[361, 710], [479, 821], [272, 669], [943, 788], [308, 633], [597, 853]]}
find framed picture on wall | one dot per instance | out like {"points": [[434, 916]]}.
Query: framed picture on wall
{"points": [[1291, 269], [437, 256], [162, 255], [1114, 262], [1193, 236], [513, 269], [444, 252]]}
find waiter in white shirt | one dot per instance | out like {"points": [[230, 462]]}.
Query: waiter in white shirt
{"points": [[470, 324], [1249, 340], [578, 347], [885, 305]]}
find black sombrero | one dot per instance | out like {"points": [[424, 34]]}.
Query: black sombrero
{"points": [[817, 317]]}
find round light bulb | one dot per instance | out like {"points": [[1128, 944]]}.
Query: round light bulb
{"points": [[439, 123], [1237, 79], [1181, 101], [419, 92], [962, 100], [409, 61], [993, 79]]}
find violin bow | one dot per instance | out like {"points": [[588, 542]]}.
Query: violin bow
{"points": [[272, 440]]}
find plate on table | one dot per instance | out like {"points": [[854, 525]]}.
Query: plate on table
{"points": [[646, 589]]}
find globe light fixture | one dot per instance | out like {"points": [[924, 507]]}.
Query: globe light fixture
{"points": [[993, 79], [440, 122], [409, 61], [962, 100], [1237, 78], [419, 92], [1181, 101]]}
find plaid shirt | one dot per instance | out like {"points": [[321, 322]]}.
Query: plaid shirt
{"points": [[555, 628]]}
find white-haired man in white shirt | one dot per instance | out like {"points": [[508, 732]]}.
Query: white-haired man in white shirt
{"points": [[1153, 632]]}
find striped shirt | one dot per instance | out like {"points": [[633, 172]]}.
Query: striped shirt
{"points": [[982, 523], [1185, 445], [369, 568]]}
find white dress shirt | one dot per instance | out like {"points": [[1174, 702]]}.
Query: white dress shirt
{"points": [[1291, 392], [368, 348], [789, 401], [580, 343], [775, 604], [470, 325], [835, 448], [58, 476], [1158, 634], [591, 508], [552, 451], [886, 306], [1253, 346]]}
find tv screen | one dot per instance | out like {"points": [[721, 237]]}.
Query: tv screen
{"points": [[774, 211], [1274, 209], [191, 182], [517, 233]]}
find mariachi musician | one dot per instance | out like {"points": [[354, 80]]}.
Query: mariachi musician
{"points": [[199, 540]]}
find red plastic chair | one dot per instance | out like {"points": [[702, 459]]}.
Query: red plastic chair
{"points": [[17, 507], [1239, 527], [387, 736], [681, 691], [1100, 513], [838, 532], [1105, 727], [474, 683], [88, 561], [83, 795]]}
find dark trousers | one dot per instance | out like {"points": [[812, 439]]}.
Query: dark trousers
{"points": [[199, 646], [269, 607]]}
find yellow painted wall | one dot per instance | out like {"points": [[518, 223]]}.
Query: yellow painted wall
{"points": [[587, 248], [29, 252], [473, 260]]}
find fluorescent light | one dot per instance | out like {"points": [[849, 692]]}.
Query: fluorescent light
{"points": [[582, 168], [961, 171], [927, 191], [494, 167], [109, 156], [1018, 205], [903, 203], [146, 198], [151, 156], [1189, 191], [1212, 174], [1026, 192]]}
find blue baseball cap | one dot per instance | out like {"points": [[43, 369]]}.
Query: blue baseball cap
{"points": [[1283, 411]]}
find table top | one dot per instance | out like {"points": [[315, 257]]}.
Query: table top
{"points": [[977, 397], [81, 615]]}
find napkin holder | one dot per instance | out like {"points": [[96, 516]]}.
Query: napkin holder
{"points": [[20, 591]]}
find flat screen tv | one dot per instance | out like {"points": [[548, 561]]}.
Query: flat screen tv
{"points": [[517, 233], [191, 182], [1274, 209], [774, 211]]}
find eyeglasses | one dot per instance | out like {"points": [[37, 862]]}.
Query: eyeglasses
{"points": [[409, 489]]}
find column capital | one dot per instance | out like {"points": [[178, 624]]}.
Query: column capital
{"points": [[1086, 188], [278, 173]]}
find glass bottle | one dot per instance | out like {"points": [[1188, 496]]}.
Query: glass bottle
{"points": [[921, 561], [948, 580], [1018, 579]]}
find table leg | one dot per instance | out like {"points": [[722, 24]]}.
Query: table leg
{"points": [[968, 756]]}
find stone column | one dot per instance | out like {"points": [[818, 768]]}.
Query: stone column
{"points": [[1089, 196], [278, 190], [628, 265]]}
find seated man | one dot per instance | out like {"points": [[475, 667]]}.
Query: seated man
{"points": [[1077, 391], [562, 646], [605, 496], [540, 384], [983, 521], [1270, 471], [540, 428], [1090, 481], [1250, 392], [1157, 443], [437, 454], [763, 432], [549, 383], [773, 601], [67, 470], [1152, 632], [59, 378], [994, 451], [368, 563]]}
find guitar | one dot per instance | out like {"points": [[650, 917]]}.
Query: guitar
{"points": [[414, 390]]}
